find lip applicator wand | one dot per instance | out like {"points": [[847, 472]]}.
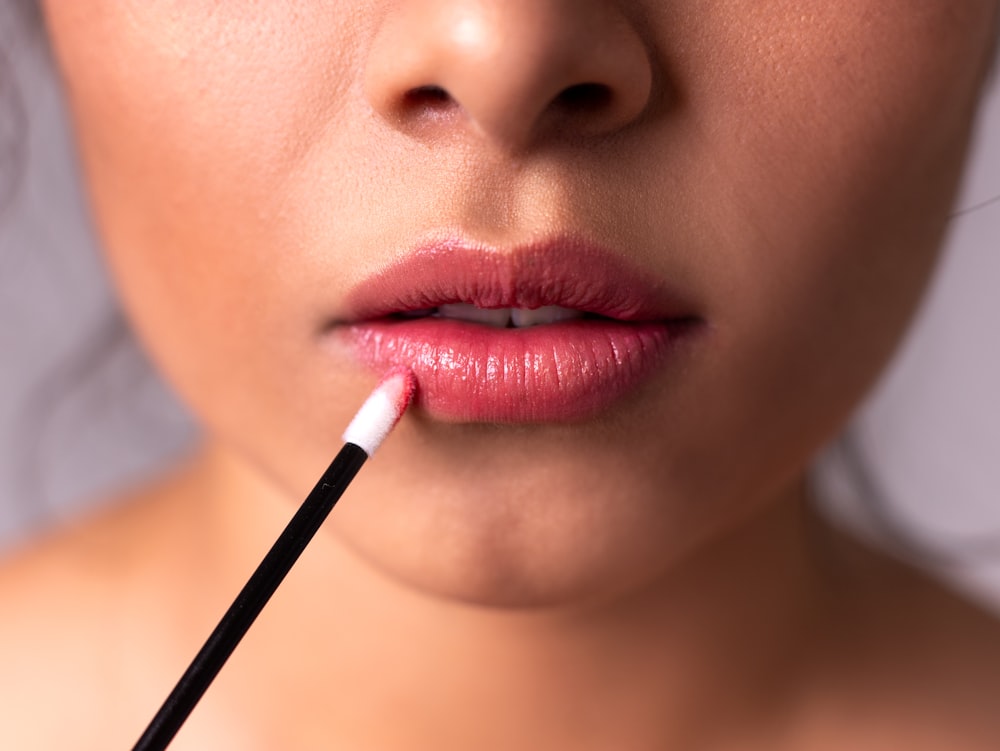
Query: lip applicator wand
{"points": [[370, 426]]}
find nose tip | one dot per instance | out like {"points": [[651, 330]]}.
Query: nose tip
{"points": [[514, 71]]}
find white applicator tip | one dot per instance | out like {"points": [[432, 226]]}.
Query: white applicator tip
{"points": [[382, 410]]}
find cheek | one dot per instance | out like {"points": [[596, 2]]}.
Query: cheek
{"points": [[812, 169], [845, 133], [190, 126], [863, 171], [190, 120], [831, 146]]}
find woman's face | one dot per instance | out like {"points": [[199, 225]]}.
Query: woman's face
{"points": [[745, 198]]}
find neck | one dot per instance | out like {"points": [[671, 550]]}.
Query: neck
{"points": [[705, 650]]}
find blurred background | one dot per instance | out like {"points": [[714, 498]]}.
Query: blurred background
{"points": [[82, 414]]}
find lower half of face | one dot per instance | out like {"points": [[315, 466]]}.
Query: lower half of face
{"points": [[724, 215]]}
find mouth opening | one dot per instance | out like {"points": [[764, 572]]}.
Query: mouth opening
{"points": [[501, 318]]}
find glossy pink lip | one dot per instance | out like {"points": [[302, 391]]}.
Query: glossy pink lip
{"points": [[554, 372]]}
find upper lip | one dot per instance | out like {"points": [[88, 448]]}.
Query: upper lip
{"points": [[565, 271]]}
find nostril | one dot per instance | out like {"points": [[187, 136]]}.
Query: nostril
{"points": [[428, 97], [584, 97], [511, 73]]}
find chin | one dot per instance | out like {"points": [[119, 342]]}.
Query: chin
{"points": [[494, 576], [552, 540]]}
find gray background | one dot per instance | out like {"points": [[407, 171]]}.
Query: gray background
{"points": [[73, 427]]}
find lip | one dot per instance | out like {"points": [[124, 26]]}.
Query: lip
{"points": [[556, 372]]}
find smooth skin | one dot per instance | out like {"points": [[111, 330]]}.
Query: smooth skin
{"points": [[649, 578]]}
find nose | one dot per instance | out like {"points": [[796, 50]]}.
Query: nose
{"points": [[515, 71]]}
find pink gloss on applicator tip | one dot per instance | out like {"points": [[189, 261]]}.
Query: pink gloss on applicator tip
{"points": [[382, 410]]}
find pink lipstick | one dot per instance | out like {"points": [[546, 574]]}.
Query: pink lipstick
{"points": [[553, 331]]}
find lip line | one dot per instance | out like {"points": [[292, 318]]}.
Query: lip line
{"points": [[564, 271]]}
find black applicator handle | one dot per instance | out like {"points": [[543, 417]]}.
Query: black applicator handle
{"points": [[252, 599]]}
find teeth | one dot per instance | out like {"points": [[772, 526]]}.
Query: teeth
{"points": [[522, 318], [502, 317], [461, 311]]}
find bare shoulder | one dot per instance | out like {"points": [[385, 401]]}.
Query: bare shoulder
{"points": [[68, 603], [948, 659], [918, 664]]}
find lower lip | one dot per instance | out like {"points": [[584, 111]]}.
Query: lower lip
{"points": [[558, 372]]}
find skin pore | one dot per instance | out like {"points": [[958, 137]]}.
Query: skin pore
{"points": [[648, 577]]}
